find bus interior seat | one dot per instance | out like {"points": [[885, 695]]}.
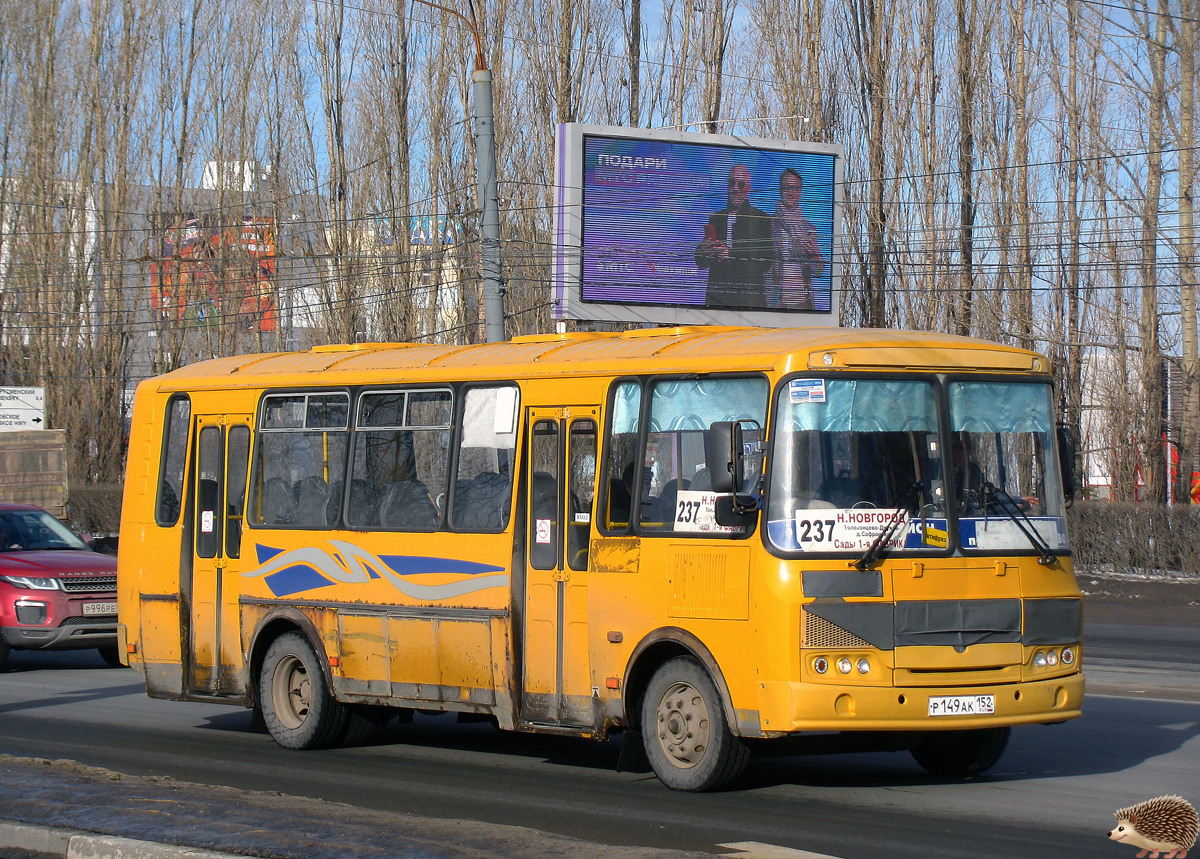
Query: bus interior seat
{"points": [[406, 504], [618, 502], [701, 481], [312, 498], [669, 499], [482, 503], [278, 504], [361, 509], [545, 496], [651, 513], [840, 492], [333, 506]]}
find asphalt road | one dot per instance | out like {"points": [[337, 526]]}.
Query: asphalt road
{"points": [[1052, 794]]}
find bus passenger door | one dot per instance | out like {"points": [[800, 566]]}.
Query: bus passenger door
{"points": [[561, 477], [214, 652]]}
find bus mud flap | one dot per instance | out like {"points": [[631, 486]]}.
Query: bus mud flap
{"points": [[633, 753]]}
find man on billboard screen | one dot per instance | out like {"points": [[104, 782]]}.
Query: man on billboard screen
{"points": [[737, 248]]}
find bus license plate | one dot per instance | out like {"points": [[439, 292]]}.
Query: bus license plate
{"points": [[92, 609], [962, 705]]}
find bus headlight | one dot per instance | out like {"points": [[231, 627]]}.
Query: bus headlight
{"points": [[1068, 656], [1039, 659], [845, 665], [1052, 658], [820, 665], [863, 666]]}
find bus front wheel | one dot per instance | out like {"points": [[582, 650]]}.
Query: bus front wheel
{"points": [[958, 754], [684, 730], [299, 711]]}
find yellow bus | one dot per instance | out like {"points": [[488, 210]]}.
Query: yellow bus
{"points": [[712, 540]]}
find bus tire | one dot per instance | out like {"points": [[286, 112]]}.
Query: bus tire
{"points": [[365, 723], [685, 732], [299, 711], [959, 754]]}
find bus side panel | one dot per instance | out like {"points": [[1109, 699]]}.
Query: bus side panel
{"points": [[387, 645]]}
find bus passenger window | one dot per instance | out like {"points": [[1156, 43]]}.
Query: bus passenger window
{"points": [[174, 460], [398, 471], [483, 482], [674, 465], [621, 455], [302, 449]]}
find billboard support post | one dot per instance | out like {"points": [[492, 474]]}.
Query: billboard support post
{"points": [[489, 206]]}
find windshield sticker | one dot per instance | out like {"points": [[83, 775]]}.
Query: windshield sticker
{"points": [[854, 530], [935, 537], [846, 530], [806, 391], [1003, 533], [696, 513]]}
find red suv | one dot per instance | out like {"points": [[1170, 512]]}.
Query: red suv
{"points": [[55, 592]]}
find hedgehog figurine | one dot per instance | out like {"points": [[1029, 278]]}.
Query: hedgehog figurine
{"points": [[1163, 824]]}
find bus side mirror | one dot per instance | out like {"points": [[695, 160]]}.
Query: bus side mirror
{"points": [[723, 456], [1066, 461]]}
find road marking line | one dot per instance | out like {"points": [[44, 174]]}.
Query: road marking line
{"points": [[758, 850]]}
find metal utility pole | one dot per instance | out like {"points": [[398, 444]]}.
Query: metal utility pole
{"points": [[485, 177], [489, 205]]}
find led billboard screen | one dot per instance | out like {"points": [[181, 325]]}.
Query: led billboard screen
{"points": [[661, 227]]}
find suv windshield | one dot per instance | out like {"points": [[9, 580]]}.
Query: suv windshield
{"points": [[33, 530]]}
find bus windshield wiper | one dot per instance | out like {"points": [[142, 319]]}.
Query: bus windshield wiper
{"points": [[1012, 509], [889, 528]]}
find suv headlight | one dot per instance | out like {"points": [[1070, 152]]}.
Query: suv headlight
{"points": [[32, 583]]}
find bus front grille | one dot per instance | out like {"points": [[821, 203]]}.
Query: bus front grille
{"points": [[819, 632]]}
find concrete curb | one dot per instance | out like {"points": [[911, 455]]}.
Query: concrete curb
{"points": [[77, 845]]}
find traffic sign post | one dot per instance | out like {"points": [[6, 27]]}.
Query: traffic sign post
{"points": [[22, 409]]}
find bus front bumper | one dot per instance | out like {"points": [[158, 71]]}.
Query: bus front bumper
{"points": [[791, 707]]}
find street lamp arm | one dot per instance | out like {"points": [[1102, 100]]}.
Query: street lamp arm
{"points": [[480, 63]]}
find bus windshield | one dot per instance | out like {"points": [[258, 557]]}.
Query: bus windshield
{"points": [[855, 457], [1006, 467], [851, 455]]}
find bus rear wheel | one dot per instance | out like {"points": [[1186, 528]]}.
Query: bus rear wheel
{"points": [[958, 754], [684, 730], [299, 711]]}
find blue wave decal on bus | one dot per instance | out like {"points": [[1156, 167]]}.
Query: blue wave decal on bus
{"points": [[310, 568]]}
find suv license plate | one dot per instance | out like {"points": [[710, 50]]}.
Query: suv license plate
{"points": [[92, 609], [962, 705]]}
